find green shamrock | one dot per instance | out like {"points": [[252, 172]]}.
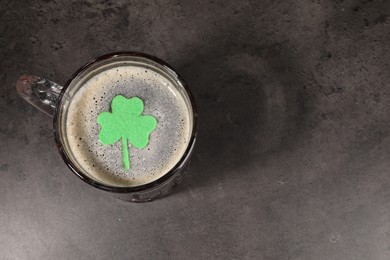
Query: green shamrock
{"points": [[126, 123]]}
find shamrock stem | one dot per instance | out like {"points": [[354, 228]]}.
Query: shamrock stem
{"points": [[125, 154]]}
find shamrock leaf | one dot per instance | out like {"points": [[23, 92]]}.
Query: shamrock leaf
{"points": [[126, 122]]}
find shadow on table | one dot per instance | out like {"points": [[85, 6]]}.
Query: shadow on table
{"points": [[251, 105]]}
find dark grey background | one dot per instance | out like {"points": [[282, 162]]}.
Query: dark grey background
{"points": [[293, 155]]}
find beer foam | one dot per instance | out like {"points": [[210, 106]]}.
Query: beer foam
{"points": [[168, 141]]}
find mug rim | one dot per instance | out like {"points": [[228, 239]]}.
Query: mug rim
{"points": [[110, 188]]}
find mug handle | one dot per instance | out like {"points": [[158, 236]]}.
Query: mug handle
{"points": [[39, 92]]}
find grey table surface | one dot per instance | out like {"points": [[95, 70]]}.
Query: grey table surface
{"points": [[293, 155]]}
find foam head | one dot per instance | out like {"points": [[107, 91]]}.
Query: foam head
{"points": [[164, 98]]}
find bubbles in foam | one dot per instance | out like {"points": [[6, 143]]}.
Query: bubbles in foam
{"points": [[167, 143]]}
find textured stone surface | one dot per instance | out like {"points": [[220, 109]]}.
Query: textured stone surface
{"points": [[293, 155]]}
